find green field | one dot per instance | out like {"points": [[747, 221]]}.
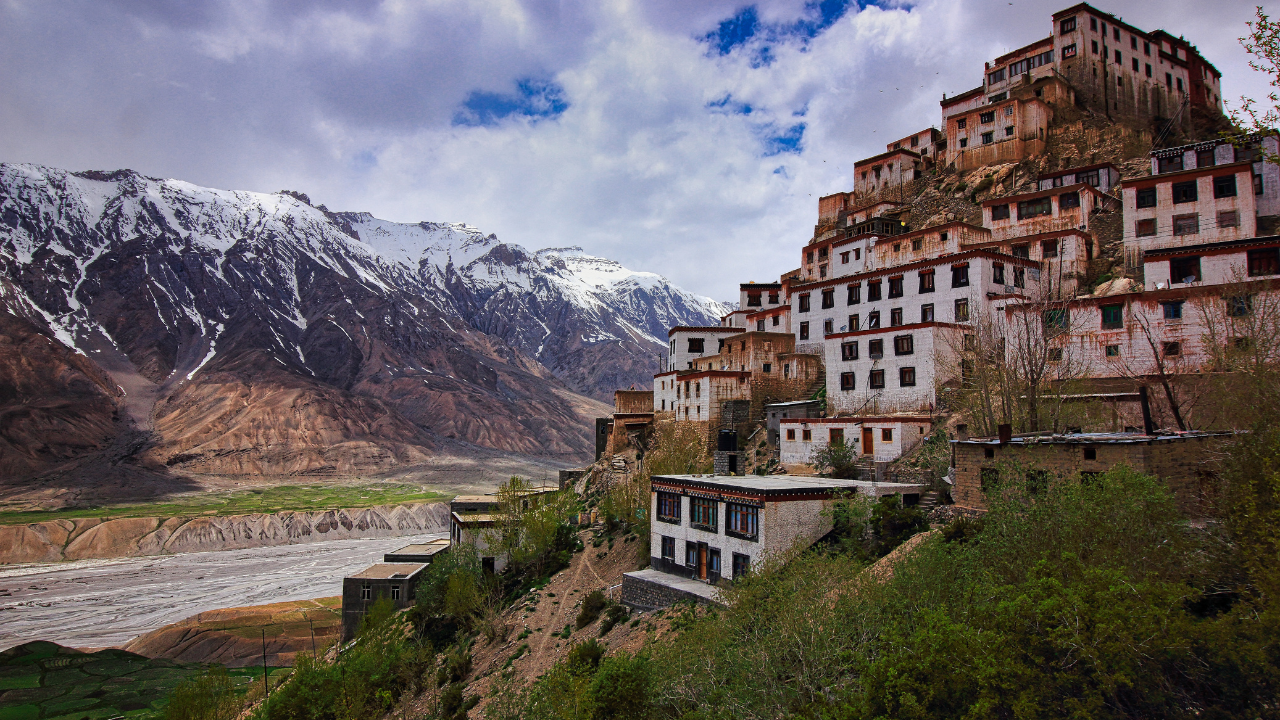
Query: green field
{"points": [[45, 681], [243, 502]]}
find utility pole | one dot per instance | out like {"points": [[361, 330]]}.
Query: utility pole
{"points": [[313, 638], [266, 689]]}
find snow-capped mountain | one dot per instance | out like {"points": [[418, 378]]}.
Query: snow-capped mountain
{"points": [[251, 332]]}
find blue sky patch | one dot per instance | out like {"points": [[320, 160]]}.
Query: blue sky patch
{"points": [[745, 26], [727, 105], [788, 141], [534, 99]]}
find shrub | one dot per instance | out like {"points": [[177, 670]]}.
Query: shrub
{"points": [[211, 696], [585, 656], [620, 689], [836, 460], [592, 605], [616, 613]]}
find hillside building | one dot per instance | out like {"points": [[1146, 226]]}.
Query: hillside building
{"points": [[874, 438]]}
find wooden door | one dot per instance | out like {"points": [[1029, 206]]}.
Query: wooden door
{"points": [[868, 441], [702, 561]]}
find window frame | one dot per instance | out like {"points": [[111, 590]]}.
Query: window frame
{"points": [[876, 380], [668, 498], [742, 521], [904, 345], [703, 514]]}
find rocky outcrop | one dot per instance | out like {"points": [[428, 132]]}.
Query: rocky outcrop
{"points": [[89, 538]]}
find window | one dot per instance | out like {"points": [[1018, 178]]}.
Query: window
{"points": [[964, 142], [760, 325], [1173, 163], [849, 351], [1184, 269], [1205, 158], [926, 313], [1185, 192], [1186, 224], [877, 379], [853, 323], [844, 258], [668, 548], [695, 345], [1229, 219], [997, 273], [366, 591], [395, 592], [1257, 184], [1119, 60], [961, 123], [1048, 249], [873, 320], [1019, 277], [806, 435], [1136, 65], [773, 298], [875, 348], [1069, 51], [1172, 309], [827, 326], [1112, 351], [855, 292], [917, 244], [895, 287], [1147, 197], [828, 298], [691, 554], [1055, 354], [1008, 131], [1093, 24], [987, 117], [895, 317], [713, 560], [1145, 228], [873, 291], [1035, 208], [791, 434], [741, 565], [742, 521], [1248, 153], [1066, 201], [753, 299], [846, 381], [1264, 262], [1000, 212], [995, 77], [767, 367], [926, 281], [777, 321], [1240, 306], [1116, 32], [702, 514], [1112, 317], [1179, 82], [1133, 42], [1171, 349], [988, 137], [903, 345], [1225, 186], [960, 276], [1095, 52], [886, 434], [1067, 25], [808, 257], [669, 507], [1148, 68], [1054, 320], [804, 330], [962, 310]]}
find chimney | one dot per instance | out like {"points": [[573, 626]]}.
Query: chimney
{"points": [[962, 431], [1006, 433]]}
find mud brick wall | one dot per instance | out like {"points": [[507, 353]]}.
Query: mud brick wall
{"points": [[1185, 464], [633, 401]]}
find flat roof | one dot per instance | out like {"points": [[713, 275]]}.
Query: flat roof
{"points": [[388, 571], [1098, 438], [1204, 247], [776, 484], [430, 548]]}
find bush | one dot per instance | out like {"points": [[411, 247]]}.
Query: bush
{"points": [[836, 460], [585, 656], [211, 696], [620, 689], [616, 613], [592, 605], [892, 523]]}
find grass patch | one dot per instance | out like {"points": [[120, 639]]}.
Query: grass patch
{"points": [[243, 502]]}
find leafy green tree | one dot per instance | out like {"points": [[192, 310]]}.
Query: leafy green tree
{"points": [[835, 459]]}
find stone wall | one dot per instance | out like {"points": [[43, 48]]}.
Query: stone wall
{"points": [[640, 594]]}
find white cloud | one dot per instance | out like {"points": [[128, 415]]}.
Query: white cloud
{"points": [[354, 104]]}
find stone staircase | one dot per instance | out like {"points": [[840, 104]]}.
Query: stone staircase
{"points": [[619, 464], [929, 501]]}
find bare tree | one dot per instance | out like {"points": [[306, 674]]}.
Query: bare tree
{"points": [[1157, 357]]}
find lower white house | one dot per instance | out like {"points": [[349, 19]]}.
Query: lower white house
{"points": [[877, 438], [716, 527]]}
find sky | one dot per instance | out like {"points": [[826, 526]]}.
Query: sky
{"points": [[690, 138]]}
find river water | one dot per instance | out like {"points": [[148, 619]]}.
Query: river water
{"points": [[101, 603]]}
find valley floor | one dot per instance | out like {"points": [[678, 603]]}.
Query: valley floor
{"points": [[100, 603]]}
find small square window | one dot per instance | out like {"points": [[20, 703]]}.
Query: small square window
{"points": [[1172, 349], [1146, 197], [791, 434], [1172, 310], [877, 379], [1145, 228], [907, 376], [846, 381], [1090, 453], [806, 435], [1229, 219], [1113, 351], [926, 313], [886, 434], [1055, 354], [1186, 224]]}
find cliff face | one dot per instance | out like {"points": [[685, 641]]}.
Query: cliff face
{"points": [[185, 329], [59, 540]]}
